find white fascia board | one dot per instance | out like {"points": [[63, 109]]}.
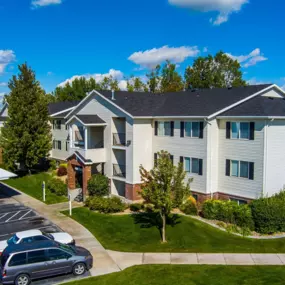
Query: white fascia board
{"points": [[87, 125], [98, 93], [244, 100], [58, 113], [251, 117], [3, 108], [172, 117]]}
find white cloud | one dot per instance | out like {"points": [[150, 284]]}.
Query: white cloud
{"points": [[2, 84], [254, 81], [151, 58], [42, 3], [224, 7], [250, 59], [115, 74], [6, 57], [283, 82], [49, 73]]}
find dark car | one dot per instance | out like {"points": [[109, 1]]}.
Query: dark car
{"points": [[22, 263]]}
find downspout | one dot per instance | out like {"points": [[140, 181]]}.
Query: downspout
{"points": [[209, 138]]}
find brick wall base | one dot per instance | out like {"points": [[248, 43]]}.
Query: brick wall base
{"points": [[218, 196], [133, 192]]}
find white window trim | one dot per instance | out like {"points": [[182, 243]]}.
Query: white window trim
{"points": [[191, 130], [239, 168], [190, 172], [239, 138]]}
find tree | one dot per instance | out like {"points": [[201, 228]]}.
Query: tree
{"points": [[171, 81], [219, 71], [164, 186], [135, 84], [26, 136], [154, 80]]}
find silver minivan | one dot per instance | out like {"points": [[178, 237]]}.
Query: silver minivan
{"points": [[20, 264]]}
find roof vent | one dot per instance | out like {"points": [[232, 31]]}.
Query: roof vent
{"points": [[113, 95]]}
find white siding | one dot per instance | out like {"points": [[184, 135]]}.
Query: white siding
{"points": [[186, 147], [96, 105], [60, 135], [275, 158], [245, 150], [212, 156], [274, 93], [142, 147]]}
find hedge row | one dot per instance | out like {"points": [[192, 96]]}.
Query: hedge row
{"points": [[105, 205]]}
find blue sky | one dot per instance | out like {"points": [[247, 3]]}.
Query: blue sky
{"points": [[61, 39]]}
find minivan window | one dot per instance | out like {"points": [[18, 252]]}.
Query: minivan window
{"points": [[57, 254], [4, 259], [13, 240], [40, 238], [18, 259], [67, 248], [36, 256]]}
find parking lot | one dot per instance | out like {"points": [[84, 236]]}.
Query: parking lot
{"points": [[15, 217]]}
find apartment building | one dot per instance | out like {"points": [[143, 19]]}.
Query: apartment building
{"points": [[229, 140]]}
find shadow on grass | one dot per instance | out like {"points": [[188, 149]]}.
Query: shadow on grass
{"points": [[149, 220]]}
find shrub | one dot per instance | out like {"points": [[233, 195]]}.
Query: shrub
{"points": [[52, 164], [105, 205], [228, 212], [189, 207], [62, 171], [57, 186], [136, 207], [269, 214], [63, 165], [98, 185]]}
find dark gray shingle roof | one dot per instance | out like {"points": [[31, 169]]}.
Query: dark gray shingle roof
{"points": [[202, 102], [259, 106], [61, 106], [90, 119]]}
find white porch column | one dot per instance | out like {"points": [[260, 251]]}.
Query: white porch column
{"points": [[86, 138], [70, 137]]}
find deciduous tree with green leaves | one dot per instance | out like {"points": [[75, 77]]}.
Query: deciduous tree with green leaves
{"points": [[164, 186], [26, 136], [220, 71]]}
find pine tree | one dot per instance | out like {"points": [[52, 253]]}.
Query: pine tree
{"points": [[26, 136]]}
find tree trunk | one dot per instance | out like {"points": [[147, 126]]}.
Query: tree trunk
{"points": [[163, 217]]}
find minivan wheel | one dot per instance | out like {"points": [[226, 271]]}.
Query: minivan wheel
{"points": [[23, 279], [79, 269]]}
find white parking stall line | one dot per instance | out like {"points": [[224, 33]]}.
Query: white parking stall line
{"points": [[4, 215], [12, 217], [25, 215]]}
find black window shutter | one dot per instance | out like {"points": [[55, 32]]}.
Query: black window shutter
{"points": [[53, 124], [228, 131], [251, 171], [172, 128], [156, 128], [182, 127], [228, 167], [201, 135], [155, 159], [200, 166], [252, 128], [172, 158], [103, 168]]}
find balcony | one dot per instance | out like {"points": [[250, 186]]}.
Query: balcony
{"points": [[119, 170], [97, 155], [119, 139]]}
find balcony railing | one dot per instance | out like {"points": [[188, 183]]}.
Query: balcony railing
{"points": [[119, 170], [119, 139]]}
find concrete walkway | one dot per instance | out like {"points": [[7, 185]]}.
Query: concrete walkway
{"points": [[125, 260], [103, 263]]}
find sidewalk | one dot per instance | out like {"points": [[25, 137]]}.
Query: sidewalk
{"points": [[125, 260], [103, 263]]}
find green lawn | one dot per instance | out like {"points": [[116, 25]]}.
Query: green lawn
{"points": [[191, 275], [32, 185], [137, 233]]}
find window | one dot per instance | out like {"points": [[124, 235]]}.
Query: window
{"points": [[164, 129], [238, 201], [193, 165], [18, 259], [66, 127], [240, 130], [66, 145], [56, 144], [59, 145], [40, 238], [57, 124], [57, 254], [192, 129], [243, 169], [37, 256]]}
